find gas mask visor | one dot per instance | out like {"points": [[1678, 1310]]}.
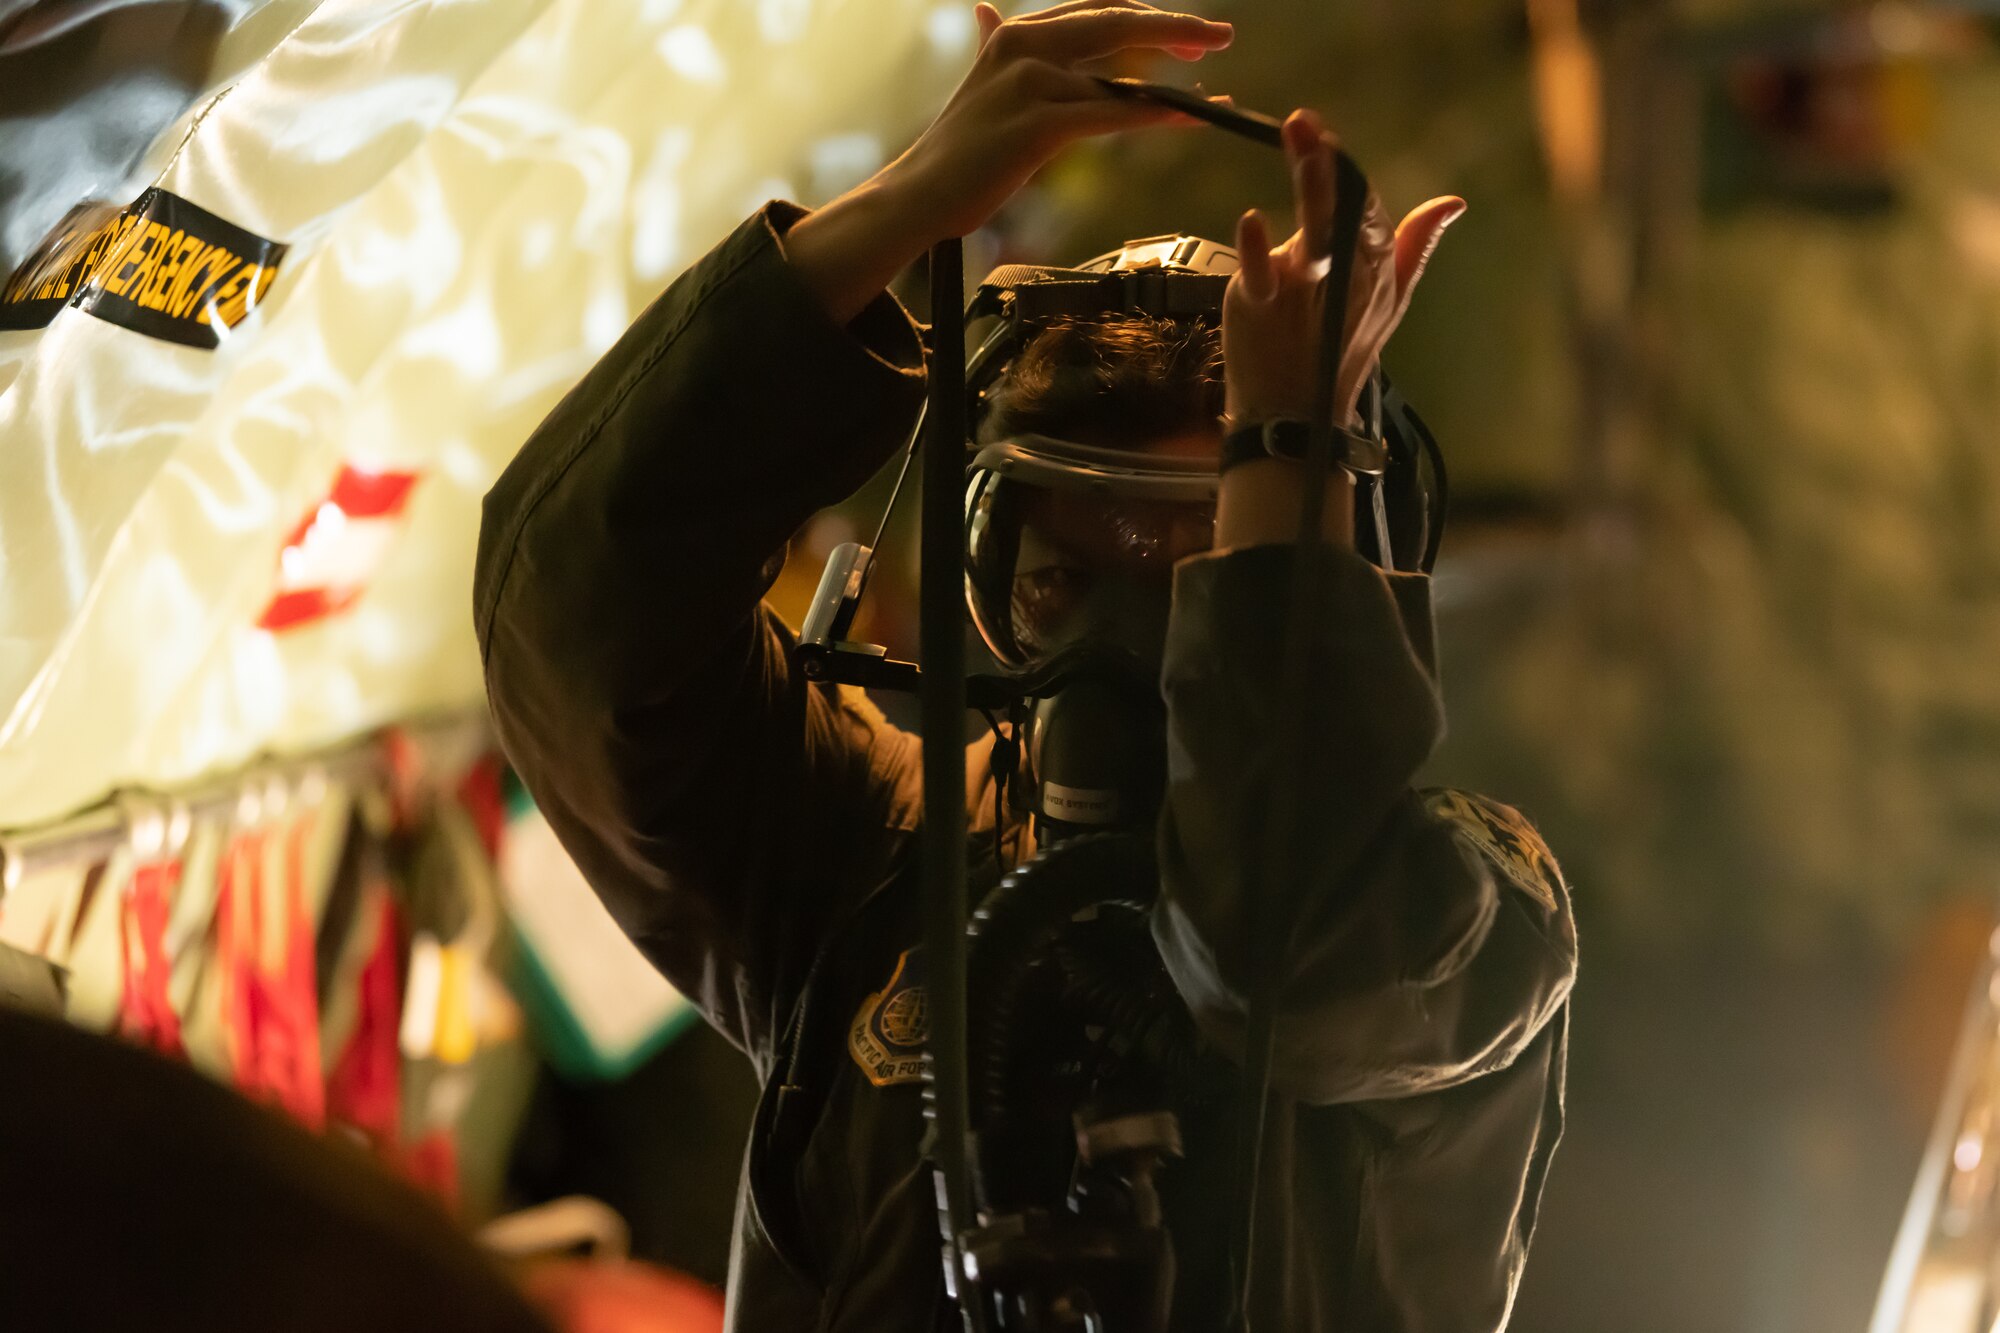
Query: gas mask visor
{"points": [[1071, 546]]}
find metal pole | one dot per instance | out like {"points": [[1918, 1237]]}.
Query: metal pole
{"points": [[941, 651], [1976, 1035], [94, 834]]}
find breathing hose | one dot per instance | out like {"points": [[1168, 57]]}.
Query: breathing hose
{"points": [[1018, 924]]}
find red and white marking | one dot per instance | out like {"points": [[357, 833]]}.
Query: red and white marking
{"points": [[328, 560]]}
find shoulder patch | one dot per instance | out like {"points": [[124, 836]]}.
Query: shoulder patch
{"points": [[889, 1030], [1504, 837]]}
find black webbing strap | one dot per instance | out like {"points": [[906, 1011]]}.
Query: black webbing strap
{"points": [[1270, 927], [1036, 295]]}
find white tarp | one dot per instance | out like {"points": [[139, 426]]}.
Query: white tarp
{"points": [[478, 196]]}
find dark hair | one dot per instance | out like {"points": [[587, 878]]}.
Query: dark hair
{"points": [[1121, 381]]}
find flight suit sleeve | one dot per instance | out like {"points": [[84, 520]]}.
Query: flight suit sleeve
{"points": [[723, 807], [1430, 933]]}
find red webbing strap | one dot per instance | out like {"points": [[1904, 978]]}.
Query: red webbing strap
{"points": [[365, 1089], [270, 998], [481, 793], [432, 1165], [145, 1009]]}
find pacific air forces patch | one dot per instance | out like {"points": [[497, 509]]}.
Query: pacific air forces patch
{"points": [[1504, 837], [887, 1036]]}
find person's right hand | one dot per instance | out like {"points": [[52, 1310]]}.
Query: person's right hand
{"points": [[1021, 103], [1024, 100]]}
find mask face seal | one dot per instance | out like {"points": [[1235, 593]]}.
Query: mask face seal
{"points": [[1069, 558], [1067, 544]]}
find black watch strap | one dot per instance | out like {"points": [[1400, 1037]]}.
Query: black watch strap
{"points": [[1288, 437]]}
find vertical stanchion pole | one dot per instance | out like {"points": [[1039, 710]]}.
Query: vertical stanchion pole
{"points": [[941, 649]]}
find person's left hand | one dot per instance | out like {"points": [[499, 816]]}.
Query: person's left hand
{"points": [[1271, 314]]}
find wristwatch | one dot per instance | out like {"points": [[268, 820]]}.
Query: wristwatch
{"points": [[1288, 437]]}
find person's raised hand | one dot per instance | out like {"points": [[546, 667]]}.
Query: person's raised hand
{"points": [[1023, 101], [1271, 315]]}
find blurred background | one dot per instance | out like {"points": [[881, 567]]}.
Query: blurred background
{"points": [[1714, 357]]}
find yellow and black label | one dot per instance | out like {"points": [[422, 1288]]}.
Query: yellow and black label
{"points": [[163, 267], [57, 270], [1504, 837], [887, 1036]]}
